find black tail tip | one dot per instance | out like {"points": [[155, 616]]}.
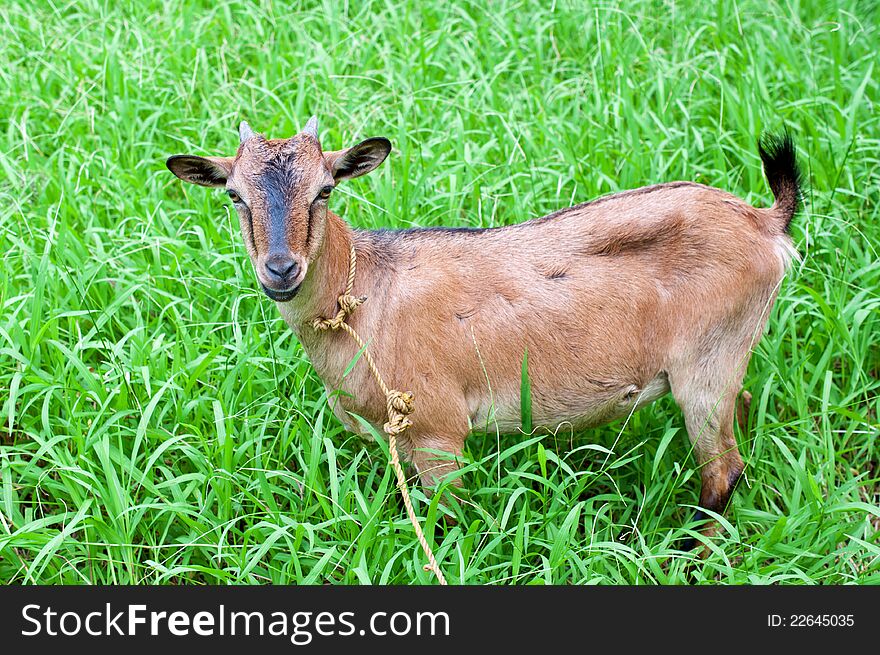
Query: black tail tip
{"points": [[779, 156], [777, 150]]}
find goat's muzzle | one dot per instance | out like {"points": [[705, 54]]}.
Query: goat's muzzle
{"points": [[281, 277]]}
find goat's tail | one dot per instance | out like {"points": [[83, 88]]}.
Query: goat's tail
{"points": [[780, 166]]}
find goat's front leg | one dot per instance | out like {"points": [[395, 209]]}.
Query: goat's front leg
{"points": [[434, 458], [434, 443]]}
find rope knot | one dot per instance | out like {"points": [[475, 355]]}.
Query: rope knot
{"points": [[401, 401], [399, 405], [321, 324], [349, 303]]}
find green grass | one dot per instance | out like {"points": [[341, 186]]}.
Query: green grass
{"points": [[159, 423]]}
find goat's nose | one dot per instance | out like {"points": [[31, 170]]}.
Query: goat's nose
{"points": [[281, 267]]}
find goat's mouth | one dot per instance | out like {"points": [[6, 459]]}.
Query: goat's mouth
{"points": [[280, 296]]}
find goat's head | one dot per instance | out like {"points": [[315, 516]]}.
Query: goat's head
{"points": [[280, 189]]}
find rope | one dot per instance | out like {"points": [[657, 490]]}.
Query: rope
{"points": [[398, 404]]}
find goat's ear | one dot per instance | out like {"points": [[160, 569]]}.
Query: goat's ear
{"points": [[357, 160], [204, 171]]}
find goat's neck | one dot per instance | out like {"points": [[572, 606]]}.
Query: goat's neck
{"points": [[325, 281]]}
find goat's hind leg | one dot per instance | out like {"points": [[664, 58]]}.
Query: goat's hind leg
{"points": [[708, 398]]}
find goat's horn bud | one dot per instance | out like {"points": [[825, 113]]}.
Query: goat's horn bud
{"points": [[311, 127], [244, 132]]}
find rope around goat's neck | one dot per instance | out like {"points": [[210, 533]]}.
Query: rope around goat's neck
{"points": [[398, 404]]}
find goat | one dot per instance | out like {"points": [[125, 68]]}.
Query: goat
{"points": [[619, 300]]}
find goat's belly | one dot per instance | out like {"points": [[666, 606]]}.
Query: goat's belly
{"points": [[567, 410]]}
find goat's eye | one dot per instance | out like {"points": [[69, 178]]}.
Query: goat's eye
{"points": [[325, 192], [233, 196]]}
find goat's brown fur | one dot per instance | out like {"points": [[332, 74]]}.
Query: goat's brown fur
{"points": [[618, 300]]}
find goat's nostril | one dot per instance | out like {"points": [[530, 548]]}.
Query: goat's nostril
{"points": [[281, 267]]}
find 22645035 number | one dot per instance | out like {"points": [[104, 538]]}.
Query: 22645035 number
{"points": [[811, 621]]}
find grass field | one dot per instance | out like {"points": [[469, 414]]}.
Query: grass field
{"points": [[159, 423]]}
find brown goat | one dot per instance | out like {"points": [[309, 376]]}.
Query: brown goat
{"points": [[618, 300]]}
